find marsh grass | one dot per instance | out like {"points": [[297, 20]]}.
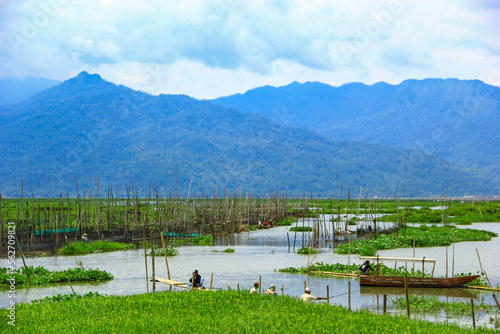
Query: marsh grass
{"points": [[202, 312]]}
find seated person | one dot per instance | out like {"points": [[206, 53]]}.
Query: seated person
{"points": [[255, 288], [198, 281], [366, 268], [271, 290]]}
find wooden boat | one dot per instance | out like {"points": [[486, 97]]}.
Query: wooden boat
{"points": [[413, 282], [416, 282], [263, 227]]}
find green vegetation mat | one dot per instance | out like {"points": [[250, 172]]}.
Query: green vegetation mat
{"points": [[206, 312], [424, 236], [433, 305], [40, 275], [301, 229], [170, 251], [80, 247]]}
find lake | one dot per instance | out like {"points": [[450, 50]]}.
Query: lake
{"points": [[260, 254]]}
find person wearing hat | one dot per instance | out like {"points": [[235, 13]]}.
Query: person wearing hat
{"points": [[271, 290], [255, 287], [84, 237], [195, 281], [365, 268], [307, 297]]}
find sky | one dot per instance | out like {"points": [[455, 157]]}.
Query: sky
{"points": [[213, 48]]}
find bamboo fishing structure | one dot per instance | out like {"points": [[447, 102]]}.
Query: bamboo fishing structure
{"points": [[48, 224]]}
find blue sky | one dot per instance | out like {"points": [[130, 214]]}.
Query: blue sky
{"points": [[213, 48]]}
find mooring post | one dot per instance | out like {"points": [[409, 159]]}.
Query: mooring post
{"points": [[349, 293], [473, 316], [407, 298], [385, 304], [153, 266], [145, 259]]}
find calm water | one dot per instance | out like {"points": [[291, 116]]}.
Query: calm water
{"points": [[260, 254]]}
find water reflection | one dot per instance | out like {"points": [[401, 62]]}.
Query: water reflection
{"points": [[258, 254]]}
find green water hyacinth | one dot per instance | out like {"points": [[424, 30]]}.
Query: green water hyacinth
{"points": [[202, 312], [80, 247], [424, 236], [40, 275]]}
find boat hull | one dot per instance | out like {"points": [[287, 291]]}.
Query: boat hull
{"points": [[416, 282]]}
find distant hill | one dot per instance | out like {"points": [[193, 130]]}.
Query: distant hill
{"points": [[458, 120], [14, 90], [87, 127]]}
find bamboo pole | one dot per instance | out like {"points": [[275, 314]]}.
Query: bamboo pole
{"points": [[153, 266], [349, 293], [407, 298], [145, 259], [494, 295], [385, 304], [165, 253], [473, 316], [211, 280]]}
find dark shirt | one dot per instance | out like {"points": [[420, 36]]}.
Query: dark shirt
{"points": [[197, 280], [365, 268]]}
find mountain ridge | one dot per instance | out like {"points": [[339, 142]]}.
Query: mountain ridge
{"points": [[455, 119], [86, 128]]}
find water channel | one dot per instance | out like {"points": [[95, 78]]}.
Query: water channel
{"points": [[260, 254]]}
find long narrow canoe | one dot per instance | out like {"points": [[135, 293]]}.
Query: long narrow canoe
{"points": [[416, 282]]}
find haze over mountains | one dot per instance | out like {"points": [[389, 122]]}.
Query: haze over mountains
{"points": [[15, 90], [86, 128], [457, 120]]}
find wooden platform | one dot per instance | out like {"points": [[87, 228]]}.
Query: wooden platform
{"points": [[177, 284]]}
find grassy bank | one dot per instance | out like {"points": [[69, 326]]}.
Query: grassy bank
{"points": [[80, 247], [205, 312], [40, 275]]}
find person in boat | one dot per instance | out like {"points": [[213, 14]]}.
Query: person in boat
{"points": [[366, 268], [307, 297], [196, 281], [271, 290], [255, 287], [84, 237], [266, 223]]}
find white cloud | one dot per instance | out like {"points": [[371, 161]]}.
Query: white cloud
{"points": [[213, 48]]}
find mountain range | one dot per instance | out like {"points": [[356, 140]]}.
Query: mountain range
{"points": [[87, 128], [458, 120]]}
